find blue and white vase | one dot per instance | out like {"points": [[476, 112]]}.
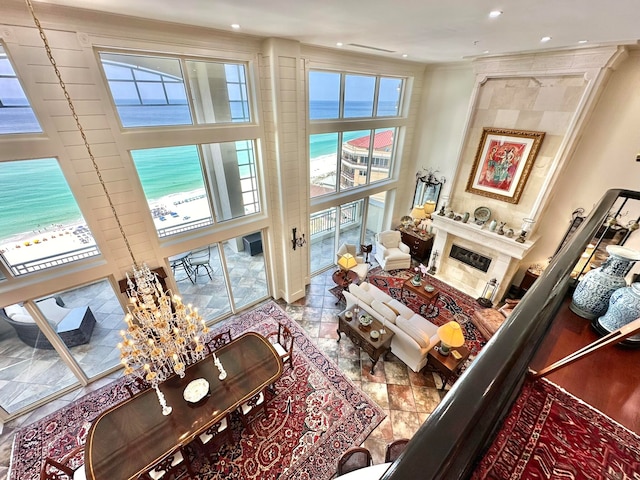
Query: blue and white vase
{"points": [[624, 308], [591, 296]]}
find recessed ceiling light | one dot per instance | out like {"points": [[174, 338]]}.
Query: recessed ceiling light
{"points": [[235, 26], [339, 44], [404, 55], [545, 39], [485, 52], [495, 13], [582, 41]]}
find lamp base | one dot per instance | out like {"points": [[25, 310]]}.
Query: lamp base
{"points": [[444, 349], [485, 302]]}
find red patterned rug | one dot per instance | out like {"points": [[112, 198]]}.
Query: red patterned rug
{"points": [[315, 416], [551, 434], [451, 304]]}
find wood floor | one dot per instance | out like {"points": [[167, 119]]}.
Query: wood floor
{"points": [[608, 380]]}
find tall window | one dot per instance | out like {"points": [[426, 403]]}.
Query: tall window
{"points": [[16, 115], [151, 91], [173, 179], [40, 223], [343, 159]]}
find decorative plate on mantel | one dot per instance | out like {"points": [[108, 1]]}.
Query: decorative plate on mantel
{"points": [[481, 215]]}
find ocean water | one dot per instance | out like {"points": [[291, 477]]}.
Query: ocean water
{"points": [[34, 195]]}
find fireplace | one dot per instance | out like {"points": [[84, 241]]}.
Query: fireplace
{"points": [[469, 257]]}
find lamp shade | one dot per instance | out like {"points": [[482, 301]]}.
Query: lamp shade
{"points": [[429, 207], [451, 334], [347, 261], [418, 213]]}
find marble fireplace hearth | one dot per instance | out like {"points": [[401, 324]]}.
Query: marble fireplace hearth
{"points": [[488, 255]]}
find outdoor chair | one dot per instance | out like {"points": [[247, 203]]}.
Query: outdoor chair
{"points": [[354, 459], [200, 259], [71, 466], [394, 449]]}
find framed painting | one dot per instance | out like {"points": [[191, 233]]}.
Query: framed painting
{"points": [[503, 163]]}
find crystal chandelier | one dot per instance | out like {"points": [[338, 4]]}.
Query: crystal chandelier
{"points": [[163, 336]]}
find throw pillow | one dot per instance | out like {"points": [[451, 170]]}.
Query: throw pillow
{"points": [[13, 310], [414, 332], [384, 311], [361, 294]]}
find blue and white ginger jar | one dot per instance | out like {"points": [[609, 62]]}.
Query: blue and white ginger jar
{"points": [[591, 296], [624, 308]]}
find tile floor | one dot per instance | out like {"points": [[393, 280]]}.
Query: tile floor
{"points": [[408, 398]]}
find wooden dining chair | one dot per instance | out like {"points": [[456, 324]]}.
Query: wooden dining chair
{"points": [[354, 459], [71, 466], [282, 341], [218, 341], [252, 408], [171, 467], [394, 449], [136, 385], [208, 439]]}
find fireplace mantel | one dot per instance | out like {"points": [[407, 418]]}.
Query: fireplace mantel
{"points": [[505, 254]]}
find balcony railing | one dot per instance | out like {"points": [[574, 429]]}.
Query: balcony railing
{"points": [[326, 221], [451, 440], [38, 264]]}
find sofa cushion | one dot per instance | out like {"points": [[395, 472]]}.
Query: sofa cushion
{"points": [[414, 331], [401, 308], [383, 310], [361, 294]]}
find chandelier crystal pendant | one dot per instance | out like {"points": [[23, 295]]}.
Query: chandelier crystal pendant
{"points": [[163, 335]]}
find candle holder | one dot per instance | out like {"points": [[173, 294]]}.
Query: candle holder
{"points": [[166, 410], [527, 223], [490, 289], [218, 363]]}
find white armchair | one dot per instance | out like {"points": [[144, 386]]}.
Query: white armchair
{"points": [[362, 268], [391, 253]]}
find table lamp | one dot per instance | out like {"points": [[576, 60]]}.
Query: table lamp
{"points": [[429, 207], [418, 213], [450, 337], [346, 262]]}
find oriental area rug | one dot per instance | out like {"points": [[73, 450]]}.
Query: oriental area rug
{"points": [[452, 304], [550, 433], [315, 415]]}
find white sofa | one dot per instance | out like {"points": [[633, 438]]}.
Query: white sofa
{"points": [[414, 335], [391, 253]]}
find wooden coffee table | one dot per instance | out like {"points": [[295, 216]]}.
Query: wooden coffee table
{"points": [[362, 338], [430, 298], [446, 365]]}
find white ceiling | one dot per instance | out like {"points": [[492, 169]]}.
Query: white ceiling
{"points": [[424, 30]]}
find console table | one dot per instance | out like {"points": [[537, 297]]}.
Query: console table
{"points": [[361, 336], [419, 244]]}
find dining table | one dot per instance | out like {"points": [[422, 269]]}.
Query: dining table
{"points": [[131, 437]]}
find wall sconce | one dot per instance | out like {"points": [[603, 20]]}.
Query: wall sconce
{"points": [[490, 289], [297, 241]]}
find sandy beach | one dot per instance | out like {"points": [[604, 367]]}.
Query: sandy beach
{"points": [[169, 211]]}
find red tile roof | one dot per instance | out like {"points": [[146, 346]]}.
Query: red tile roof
{"points": [[380, 141]]}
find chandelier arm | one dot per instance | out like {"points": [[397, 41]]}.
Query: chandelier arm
{"points": [[43, 36]]}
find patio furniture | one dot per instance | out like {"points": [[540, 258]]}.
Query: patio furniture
{"points": [[253, 243], [200, 259], [73, 325]]}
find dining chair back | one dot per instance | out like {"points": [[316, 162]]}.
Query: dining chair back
{"points": [[354, 459], [282, 341], [218, 341], [218, 431], [136, 385], [71, 466], [394, 449], [252, 408], [200, 259], [170, 467]]}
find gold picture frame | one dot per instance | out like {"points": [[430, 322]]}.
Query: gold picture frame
{"points": [[503, 162]]}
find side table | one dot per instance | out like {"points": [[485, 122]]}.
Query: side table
{"points": [[343, 279], [446, 365], [361, 337]]}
